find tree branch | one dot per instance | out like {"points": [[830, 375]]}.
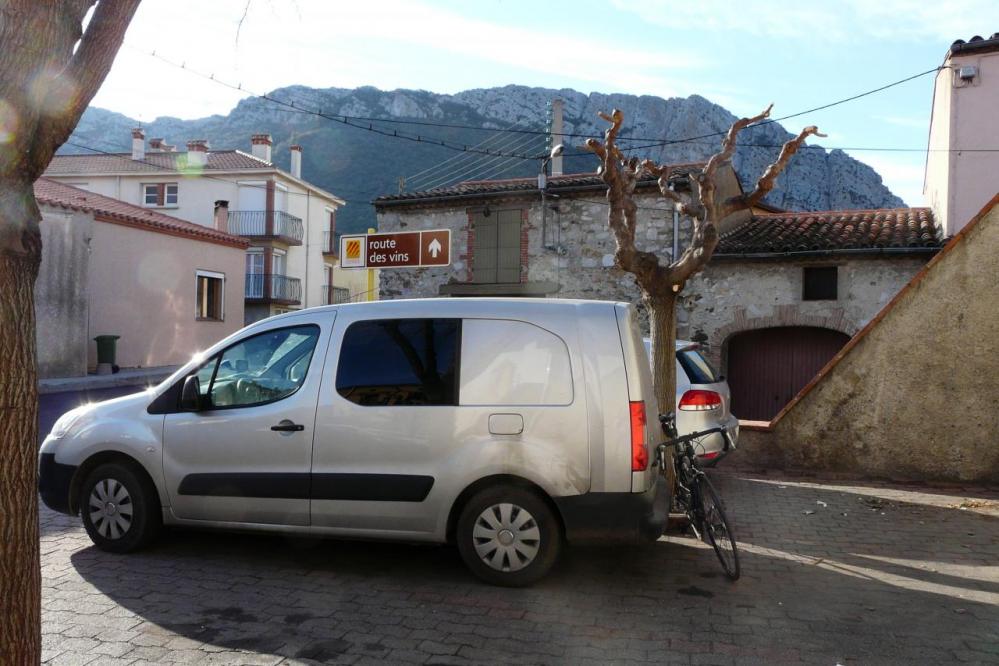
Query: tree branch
{"points": [[769, 178], [71, 91]]}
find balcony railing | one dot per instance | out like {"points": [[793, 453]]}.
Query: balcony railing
{"points": [[331, 242], [266, 224], [333, 295], [273, 288]]}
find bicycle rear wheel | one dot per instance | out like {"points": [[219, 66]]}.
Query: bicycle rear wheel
{"points": [[717, 532]]}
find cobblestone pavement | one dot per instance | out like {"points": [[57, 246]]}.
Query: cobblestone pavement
{"points": [[833, 572]]}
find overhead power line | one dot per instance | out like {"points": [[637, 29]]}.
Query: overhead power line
{"points": [[201, 174], [653, 141]]}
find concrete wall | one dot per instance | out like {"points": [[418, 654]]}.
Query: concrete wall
{"points": [[142, 287], [915, 395], [61, 293], [729, 297]]}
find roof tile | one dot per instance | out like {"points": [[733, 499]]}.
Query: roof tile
{"points": [[218, 160], [832, 230], [66, 196], [556, 184]]}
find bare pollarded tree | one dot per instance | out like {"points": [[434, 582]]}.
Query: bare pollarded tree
{"points": [[50, 69], [661, 283]]}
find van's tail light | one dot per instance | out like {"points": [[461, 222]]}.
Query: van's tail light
{"points": [[639, 450], [699, 400]]}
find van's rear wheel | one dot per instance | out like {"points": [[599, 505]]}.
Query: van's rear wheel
{"points": [[508, 536], [120, 509]]}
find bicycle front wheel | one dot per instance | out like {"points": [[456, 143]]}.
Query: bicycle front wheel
{"points": [[717, 532]]}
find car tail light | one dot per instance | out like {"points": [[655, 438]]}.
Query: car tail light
{"points": [[639, 451], [699, 400]]}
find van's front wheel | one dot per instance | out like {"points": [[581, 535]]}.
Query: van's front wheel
{"points": [[120, 509], [508, 536]]}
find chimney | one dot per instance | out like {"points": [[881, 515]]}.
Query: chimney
{"points": [[138, 144], [296, 160], [557, 137], [222, 215], [156, 145], [197, 153], [261, 146]]}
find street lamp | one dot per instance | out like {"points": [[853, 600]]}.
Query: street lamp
{"points": [[543, 176]]}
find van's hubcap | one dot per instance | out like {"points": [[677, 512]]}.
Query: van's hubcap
{"points": [[110, 508], [506, 537]]}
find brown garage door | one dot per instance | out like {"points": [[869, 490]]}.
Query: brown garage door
{"points": [[766, 368]]}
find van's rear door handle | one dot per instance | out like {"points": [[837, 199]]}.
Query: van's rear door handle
{"points": [[288, 426]]}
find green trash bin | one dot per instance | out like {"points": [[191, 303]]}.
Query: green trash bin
{"points": [[106, 348]]}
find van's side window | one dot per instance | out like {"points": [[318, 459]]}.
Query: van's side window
{"points": [[262, 368], [399, 362], [507, 362]]}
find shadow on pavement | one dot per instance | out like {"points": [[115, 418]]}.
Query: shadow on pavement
{"points": [[916, 584]]}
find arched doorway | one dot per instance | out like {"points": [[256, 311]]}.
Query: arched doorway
{"points": [[767, 367]]}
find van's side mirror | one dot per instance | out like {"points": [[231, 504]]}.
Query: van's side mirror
{"points": [[190, 394]]}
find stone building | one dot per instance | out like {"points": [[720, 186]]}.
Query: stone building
{"points": [[784, 292]]}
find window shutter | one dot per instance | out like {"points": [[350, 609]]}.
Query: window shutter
{"points": [[160, 194]]}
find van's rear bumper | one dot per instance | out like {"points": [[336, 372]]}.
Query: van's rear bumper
{"points": [[601, 517]]}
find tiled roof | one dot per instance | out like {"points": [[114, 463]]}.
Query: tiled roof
{"points": [[832, 230], [582, 182], [65, 196], [218, 160]]}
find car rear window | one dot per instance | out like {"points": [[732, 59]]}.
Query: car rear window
{"points": [[698, 370]]}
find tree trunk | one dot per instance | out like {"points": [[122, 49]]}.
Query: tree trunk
{"points": [[20, 579], [662, 330]]}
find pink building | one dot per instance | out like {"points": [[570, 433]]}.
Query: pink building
{"points": [[959, 181], [168, 287]]}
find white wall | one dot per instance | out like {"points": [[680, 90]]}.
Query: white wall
{"points": [[196, 203]]}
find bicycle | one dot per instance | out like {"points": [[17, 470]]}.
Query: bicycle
{"points": [[696, 497]]}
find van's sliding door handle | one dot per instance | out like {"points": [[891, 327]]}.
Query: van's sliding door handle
{"points": [[288, 426]]}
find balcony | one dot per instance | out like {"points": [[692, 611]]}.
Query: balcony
{"points": [[280, 289], [331, 243], [266, 225], [334, 295]]}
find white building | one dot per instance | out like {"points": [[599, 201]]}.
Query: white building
{"points": [[291, 224]]}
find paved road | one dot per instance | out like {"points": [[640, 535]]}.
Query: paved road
{"points": [[874, 575]]}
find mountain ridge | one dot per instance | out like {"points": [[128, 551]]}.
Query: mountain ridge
{"points": [[359, 165]]}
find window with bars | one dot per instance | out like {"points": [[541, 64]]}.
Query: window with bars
{"points": [[819, 283]]}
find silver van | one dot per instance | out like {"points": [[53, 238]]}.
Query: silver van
{"points": [[505, 426]]}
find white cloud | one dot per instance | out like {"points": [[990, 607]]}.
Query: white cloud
{"points": [[385, 43], [902, 173], [906, 121], [841, 21]]}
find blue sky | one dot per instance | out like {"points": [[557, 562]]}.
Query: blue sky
{"points": [[742, 55]]}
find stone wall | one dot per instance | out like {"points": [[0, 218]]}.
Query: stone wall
{"points": [[729, 297], [915, 394], [576, 252]]}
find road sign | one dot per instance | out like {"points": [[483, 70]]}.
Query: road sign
{"points": [[405, 249]]}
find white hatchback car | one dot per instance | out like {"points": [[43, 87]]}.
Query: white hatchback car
{"points": [[702, 401]]}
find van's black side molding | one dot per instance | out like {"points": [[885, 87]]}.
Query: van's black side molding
{"points": [[358, 487]]}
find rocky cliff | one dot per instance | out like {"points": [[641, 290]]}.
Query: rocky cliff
{"points": [[359, 165]]}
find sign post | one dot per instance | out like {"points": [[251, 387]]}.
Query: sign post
{"points": [[405, 249], [371, 275]]}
